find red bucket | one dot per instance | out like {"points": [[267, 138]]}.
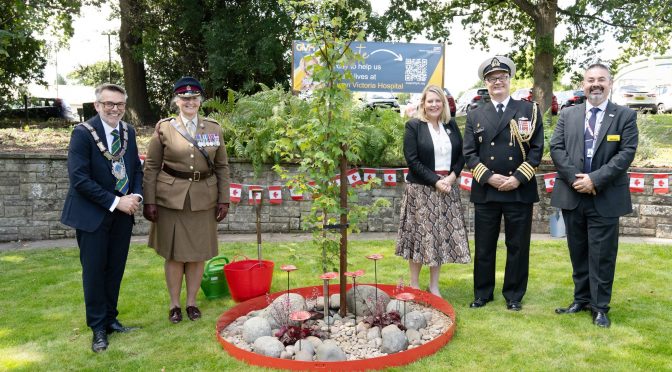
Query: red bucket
{"points": [[248, 278]]}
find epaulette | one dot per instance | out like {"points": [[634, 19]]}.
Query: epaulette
{"points": [[158, 125], [211, 121]]}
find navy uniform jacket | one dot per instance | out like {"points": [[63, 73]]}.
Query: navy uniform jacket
{"points": [[489, 149], [419, 151], [614, 152], [92, 184]]}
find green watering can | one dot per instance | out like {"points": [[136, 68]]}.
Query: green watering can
{"points": [[214, 282]]}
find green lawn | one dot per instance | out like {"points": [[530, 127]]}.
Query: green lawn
{"points": [[42, 325]]}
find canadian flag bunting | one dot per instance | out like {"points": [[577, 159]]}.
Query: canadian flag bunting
{"points": [[235, 190], [465, 180], [295, 194], [275, 194], [661, 183], [636, 182], [369, 174], [405, 174], [549, 181], [390, 176], [354, 178], [254, 195], [337, 179]]}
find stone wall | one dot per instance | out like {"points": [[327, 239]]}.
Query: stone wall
{"points": [[33, 188]]}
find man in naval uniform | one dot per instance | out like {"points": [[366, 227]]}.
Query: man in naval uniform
{"points": [[503, 144], [105, 191]]}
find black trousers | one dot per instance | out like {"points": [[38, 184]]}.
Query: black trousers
{"points": [[103, 254], [517, 230], [593, 246]]}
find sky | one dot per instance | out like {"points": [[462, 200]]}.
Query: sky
{"points": [[89, 45]]}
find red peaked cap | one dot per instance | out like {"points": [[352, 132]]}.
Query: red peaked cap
{"points": [[187, 86]]}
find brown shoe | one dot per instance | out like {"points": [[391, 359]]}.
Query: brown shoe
{"points": [[193, 312], [175, 315]]}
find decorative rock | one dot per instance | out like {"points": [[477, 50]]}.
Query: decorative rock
{"points": [[414, 320], [329, 352], [285, 355], [335, 301], [290, 349], [398, 306], [366, 298], [314, 340], [373, 333], [394, 340], [254, 328], [428, 316], [413, 335], [319, 303], [305, 345], [362, 326], [304, 355], [276, 312], [269, 346]]}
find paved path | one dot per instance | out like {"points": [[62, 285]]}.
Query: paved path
{"points": [[283, 237]]}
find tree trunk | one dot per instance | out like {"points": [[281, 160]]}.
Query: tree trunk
{"points": [[545, 23], [343, 263], [138, 111]]}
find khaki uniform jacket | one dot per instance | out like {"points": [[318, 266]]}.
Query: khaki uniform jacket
{"points": [[168, 146]]}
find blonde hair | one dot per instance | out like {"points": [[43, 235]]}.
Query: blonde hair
{"points": [[445, 113]]}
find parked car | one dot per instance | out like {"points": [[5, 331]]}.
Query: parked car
{"points": [[474, 98], [576, 99], [664, 100], [521, 94], [451, 102], [636, 97], [381, 100], [39, 109]]}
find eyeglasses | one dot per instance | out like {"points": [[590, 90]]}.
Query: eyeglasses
{"points": [[111, 105], [494, 79]]}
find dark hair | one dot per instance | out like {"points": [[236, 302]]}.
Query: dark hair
{"points": [[600, 65], [109, 86]]}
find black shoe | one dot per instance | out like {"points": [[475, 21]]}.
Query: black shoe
{"points": [[117, 327], [99, 342], [601, 319], [479, 302], [575, 307], [514, 305]]}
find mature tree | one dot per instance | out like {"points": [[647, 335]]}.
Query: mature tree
{"points": [[98, 73], [139, 110], [529, 25], [22, 51]]}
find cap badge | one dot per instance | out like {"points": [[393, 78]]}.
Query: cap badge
{"points": [[188, 88], [494, 63]]}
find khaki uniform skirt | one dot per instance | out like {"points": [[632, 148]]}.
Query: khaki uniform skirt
{"points": [[183, 235], [431, 226]]}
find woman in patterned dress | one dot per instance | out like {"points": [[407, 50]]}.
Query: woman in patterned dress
{"points": [[432, 231]]}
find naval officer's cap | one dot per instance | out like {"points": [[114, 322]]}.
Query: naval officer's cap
{"points": [[496, 63]]}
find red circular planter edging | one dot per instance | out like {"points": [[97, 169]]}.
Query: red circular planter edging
{"points": [[391, 360]]}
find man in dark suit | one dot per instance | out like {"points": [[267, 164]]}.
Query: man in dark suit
{"points": [[503, 144], [105, 191], [592, 147]]}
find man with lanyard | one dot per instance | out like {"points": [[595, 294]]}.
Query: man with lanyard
{"points": [[105, 191], [592, 147], [503, 144]]}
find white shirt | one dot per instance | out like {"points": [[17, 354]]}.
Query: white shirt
{"points": [[108, 135], [598, 121], [505, 102], [443, 149]]}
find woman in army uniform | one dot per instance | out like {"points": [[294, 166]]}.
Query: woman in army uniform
{"points": [[187, 193]]}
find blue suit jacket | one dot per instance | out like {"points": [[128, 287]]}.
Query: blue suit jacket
{"points": [[92, 184]]}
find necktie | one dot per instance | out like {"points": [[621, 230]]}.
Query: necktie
{"points": [[500, 109], [191, 126], [122, 184], [589, 137]]}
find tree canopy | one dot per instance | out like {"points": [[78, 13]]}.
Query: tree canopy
{"points": [[643, 26], [98, 73], [23, 51]]}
